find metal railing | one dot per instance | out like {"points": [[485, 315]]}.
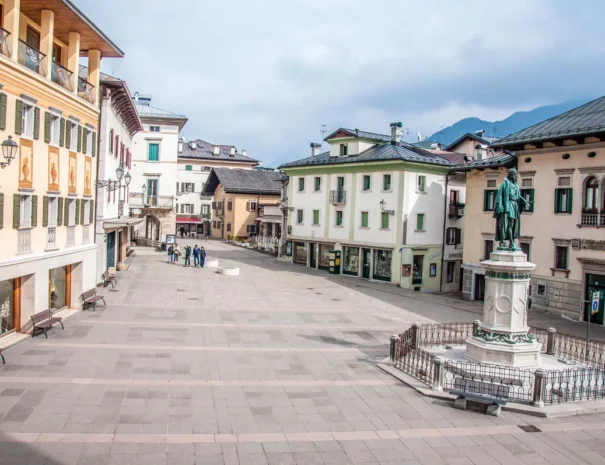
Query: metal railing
{"points": [[338, 197], [86, 234], [5, 46], [602, 217], [206, 216], [445, 333], [51, 238], [590, 219], [71, 236], [151, 201], [456, 211], [576, 384], [86, 90], [24, 240], [32, 58], [62, 76]]}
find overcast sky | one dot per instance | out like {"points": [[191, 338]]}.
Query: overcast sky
{"points": [[265, 75]]}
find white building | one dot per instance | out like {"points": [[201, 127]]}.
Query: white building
{"points": [[451, 278], [119, 123], [154, 171], [196, 159]]}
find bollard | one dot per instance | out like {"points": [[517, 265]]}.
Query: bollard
{"points": [[476, 324], [393, 352], [539, 388], [415, 333], [438, 373], [550, 342]]}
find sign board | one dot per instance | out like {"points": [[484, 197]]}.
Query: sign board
{"points": [[594, 305], [588, 244], [434, 255], [406, 270], [454, 256], [575, 243], [170, 239]]}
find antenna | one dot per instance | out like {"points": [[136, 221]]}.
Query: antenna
{"points": [[323, 130]]}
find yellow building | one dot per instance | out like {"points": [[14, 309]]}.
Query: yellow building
{"points": [[47, 210], [238, 194]]}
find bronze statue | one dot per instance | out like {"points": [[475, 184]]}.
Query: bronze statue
{"points": [[507, 210]]}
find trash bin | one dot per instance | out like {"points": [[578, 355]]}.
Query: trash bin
{"points": [[163, 247]]}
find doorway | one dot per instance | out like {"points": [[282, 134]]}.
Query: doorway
{"points": [[366, 256], [479, 287], [120, 258], [111, 249], [595, 283], [313, 255]]}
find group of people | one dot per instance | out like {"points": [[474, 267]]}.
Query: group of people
{"points": [[199, 255]]}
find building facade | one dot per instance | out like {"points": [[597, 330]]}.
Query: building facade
{"points": [[152, 194], [196, 159], [451, 270], [51, 115], [378, 200]]}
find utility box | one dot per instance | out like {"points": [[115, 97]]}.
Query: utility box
{"points": [[335, 261]]}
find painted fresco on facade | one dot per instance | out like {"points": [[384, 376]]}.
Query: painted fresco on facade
{"points": [[87, 175], [26, 164], [53, 169], [73, 170]]}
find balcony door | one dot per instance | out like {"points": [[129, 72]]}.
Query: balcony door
{"points": [[152, 192], [32, 38], [340, 183]]}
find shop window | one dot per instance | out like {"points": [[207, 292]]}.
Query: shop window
{"points": [[420, 222], [338, 217], [384, 220], [7, 306], [488, 248], [561, 257], [315, 217], [367, 182], [317, 183], [300, 252], [382, 264], [57, 285], [299, 216], [324, 256], [386, 182], [364, 219], [351, 261], [450, 271], [417, 269], [301, 184]]}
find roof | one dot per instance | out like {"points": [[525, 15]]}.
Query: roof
{"points": [[492, 162], [485, 140], [581, 121], [454, 157], [377, 153], [205, 151], [360, 134], [151, 113], [244, 181], [427, 144]]}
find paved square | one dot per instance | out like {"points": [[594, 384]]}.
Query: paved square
{"points": [[275, 366]]}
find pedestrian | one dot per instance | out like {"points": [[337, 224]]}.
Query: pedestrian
{"points": [[176, 253], [196, 255], [202, 257], [170, 253], [182, 231], [187, 255]]}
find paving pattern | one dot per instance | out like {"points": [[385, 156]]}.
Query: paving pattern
{"points": [[274, 366]]}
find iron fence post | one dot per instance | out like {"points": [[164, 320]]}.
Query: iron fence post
{"points": [[393, 352], [550, 342], [415, 334], [476, 324], [539, 388], [438, 373]]}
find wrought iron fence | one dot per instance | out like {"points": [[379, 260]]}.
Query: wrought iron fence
{"points": [[338, 197], [574, 348], [5, 48], [86, 90], [32, 58], [574, 384], [541, 336], [60, 75], [444, 333], [416, 363]]}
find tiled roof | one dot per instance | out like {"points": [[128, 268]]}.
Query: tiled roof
{"points": [[361, 134], [244, 181], [146, 110], [485, 140], [583, 120], [454, 157], [205, 151], [492, 162]]}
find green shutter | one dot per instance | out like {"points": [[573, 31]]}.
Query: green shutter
{"points": [[79, 145], [36, 123], [68, 134], [82, 204], [66, 211], [84, 139], [19, 117], [3, 102], [44, 211], [569, 200], [60, 212], [531, 199], [16, 210], [94, 144], [62, 132], [485, 200], [420, 222], [92, 211], [385, 221], [77, 211], [46, 127], [557, 207], [34, 211]]}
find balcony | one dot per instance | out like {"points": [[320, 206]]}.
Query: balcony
{"points": [[206, 216], [4, 45], [86, 234], [456, 211], [590, 217], [60, 75], [24, 238], [32, 58], [71, 236], [86, 90], [51, 238], [165, 202], [338, 197]]}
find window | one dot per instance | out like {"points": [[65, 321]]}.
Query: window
{"points": [[252, 206], [228, 227], [71, 212], [528, 195], [73, 137], [420, 222], [301, 184], [364, 219], [384, 221], [488, 248], [561, 257], [251, 228], [206, 168], [187, 208], [54, 129], [153, 153], [527, 183], [386, 182], [53, 210], [454, 196], [27, 121], [25, 211], [451, 270], [317, 184], [417, 269], [186, 187], [421, 184], [90, 144], [315, 217], [188, 168], [367, 182], [452, 236], [525, 247], [563, 200], [591, 196], [489, 199], [492, 183], [338, 217], [299, 216], [344, 150], [86, 211], [229, 205], [154, 128], [205, 210]]}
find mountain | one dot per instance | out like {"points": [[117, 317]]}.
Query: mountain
{"points": [[515, 122]]}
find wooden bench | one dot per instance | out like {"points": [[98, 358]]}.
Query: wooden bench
{"points": [[130, 252], [45, 320], [90, 299], [492, 396], [109, 279]]}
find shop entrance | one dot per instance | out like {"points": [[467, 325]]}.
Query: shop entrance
{"points": [[59, 287], [595, 283], [367, 256], [313, 256], [10, 306], [479, 287], [111, 249]]}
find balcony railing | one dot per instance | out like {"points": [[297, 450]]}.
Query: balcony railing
{"points": [[206, 216], [456, 211], [71, 236], [602, 217], [5, 48], [590, 217], [151, 201], [338, 197], [86, 90], [86, 234], [24, 238], [62, 76], [32, 58], [51, 238]]}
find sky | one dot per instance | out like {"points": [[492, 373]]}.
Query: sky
{"points": [[266, 75]]}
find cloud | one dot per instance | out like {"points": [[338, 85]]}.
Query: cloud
{"points": [[265, 74]]}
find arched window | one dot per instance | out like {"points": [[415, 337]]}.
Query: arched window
{"points": [[591, 196]]}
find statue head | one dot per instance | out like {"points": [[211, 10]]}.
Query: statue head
{"points": [[512, 175]]}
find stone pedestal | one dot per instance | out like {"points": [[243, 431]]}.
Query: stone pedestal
{"points": [[502, 337]]}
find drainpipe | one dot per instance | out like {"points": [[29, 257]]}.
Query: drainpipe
{"points": [[445, 213]]}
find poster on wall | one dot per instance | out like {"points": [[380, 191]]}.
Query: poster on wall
{"points": [[433, 270], [73, 170], [170, 239], [406, 270], [53, 169]]}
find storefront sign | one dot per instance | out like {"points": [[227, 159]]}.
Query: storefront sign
{"points": [[591, 244], [434, 255], [454, 256], [406, 270]]}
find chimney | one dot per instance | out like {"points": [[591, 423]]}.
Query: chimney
{"points": [[244, 152], [232, 150], [480, 132], [396, 132], [181, 145], [216, 150], [315, 149], [193, 145]]}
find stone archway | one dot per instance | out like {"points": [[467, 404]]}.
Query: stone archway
{"points": [[153, 228]]}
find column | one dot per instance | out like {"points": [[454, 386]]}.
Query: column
{"points": [[73, 59], [46, 41], [11, 24], [94, 72]]}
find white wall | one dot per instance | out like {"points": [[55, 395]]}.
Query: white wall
{"points": [[196, 176], [309, 200], [431, 203]]}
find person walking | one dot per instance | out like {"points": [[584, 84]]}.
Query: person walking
{"points": [[196, 256], [170, 253], [187, 255], [202, 257], [182, 231], [176, 253]]}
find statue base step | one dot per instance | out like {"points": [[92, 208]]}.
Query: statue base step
{"points": [[519, 355]]}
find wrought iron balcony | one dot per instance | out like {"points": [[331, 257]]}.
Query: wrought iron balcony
{"points": [[51, 238], [86, 90], [456, 211], [338, 197], [32, 58], [62, 76], [24, 238], [5, 48]]}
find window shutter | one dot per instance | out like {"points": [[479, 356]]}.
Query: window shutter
{"points": [[82, 205], [60, 211], [36, 123], [19, 117], [3, 102], [569, 200], [34, 211], [84, 139], [177, 187], [1, 211], [94, 144], [62, 132], [485, 200], [248, 206], [79, 142], [77, 211], [16, 210], [557, 207], [66, 216], [111, 141], [44, 211], [68, 134], [46, 127], [92, 211], [458, 236], [117, 147]]}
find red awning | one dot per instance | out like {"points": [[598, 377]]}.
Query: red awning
{"points": [[186, 219]]}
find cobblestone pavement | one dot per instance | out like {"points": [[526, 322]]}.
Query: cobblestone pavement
{"points": [[275, 366]]}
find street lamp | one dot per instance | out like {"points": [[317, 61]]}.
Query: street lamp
{"points": [[9, 150], [127, 178], [383, 205], [120, 172], [144, 188]]}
